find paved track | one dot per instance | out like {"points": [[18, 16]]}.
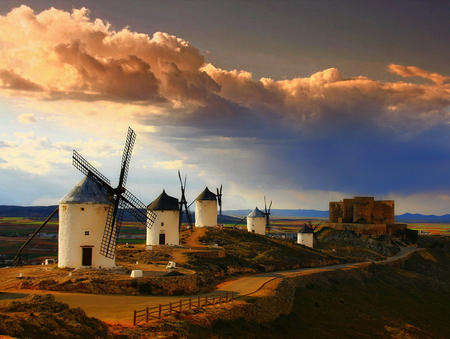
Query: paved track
{"points": [[120, 308]]}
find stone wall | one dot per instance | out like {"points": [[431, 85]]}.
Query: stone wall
{"points": [[362, 209]]}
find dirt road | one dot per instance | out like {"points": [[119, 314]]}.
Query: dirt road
{"points": [[120, 308]]}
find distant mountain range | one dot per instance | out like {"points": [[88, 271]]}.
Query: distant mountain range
{"points": [[229, 216]]}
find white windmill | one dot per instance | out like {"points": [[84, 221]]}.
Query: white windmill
{"points": [[256, 222], [82, 215], [91, 215], [165, 230], [305, 236], [206, 209]]}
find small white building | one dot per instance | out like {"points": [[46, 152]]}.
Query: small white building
{"points": [[206, 209], [306, 236], [256, 222], [82, 219], [165, 229]]}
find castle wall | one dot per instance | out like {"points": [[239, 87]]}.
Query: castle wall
{"points": [[362, 209], [383, 212], [336, 211], [348, 210]]}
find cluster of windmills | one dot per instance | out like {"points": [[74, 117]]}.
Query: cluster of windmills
{"points": [[91, 214]]}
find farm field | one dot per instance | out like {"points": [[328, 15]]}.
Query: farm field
{"points": [[432, 228], [14, 231]]}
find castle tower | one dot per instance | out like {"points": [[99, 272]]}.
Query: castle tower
{"points": [[256, 222], [306, 236], [82, 219], [206, 209], [165, 230]]}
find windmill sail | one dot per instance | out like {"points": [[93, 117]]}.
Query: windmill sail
{"points": [[121, 199], [183, 203], [267, 212], [219, 199]]}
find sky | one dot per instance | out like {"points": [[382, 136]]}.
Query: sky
{"points": [[304, 102]]}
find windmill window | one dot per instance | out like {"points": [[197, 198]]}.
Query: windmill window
{"points": [[162, 223], [86, 232], [82, 208]]}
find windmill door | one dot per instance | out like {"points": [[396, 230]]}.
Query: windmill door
{"points": [[87, 256], [162, 238]]}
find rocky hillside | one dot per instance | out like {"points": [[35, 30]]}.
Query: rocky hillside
{"points": [[356, 247], [40, 316]]}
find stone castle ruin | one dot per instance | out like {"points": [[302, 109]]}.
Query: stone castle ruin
{"points": [[365, 216]]}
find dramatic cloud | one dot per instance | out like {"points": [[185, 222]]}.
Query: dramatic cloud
{"points": [[68, 56], [14, 81], [411, 71], [319, 133]]}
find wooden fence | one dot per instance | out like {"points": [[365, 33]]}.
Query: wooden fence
{"points": [[161, 311]]}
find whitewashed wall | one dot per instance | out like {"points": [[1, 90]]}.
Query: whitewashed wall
{"points": [[170, 228], [206, 213], [306, 239], [256, 225], [74, 220]]}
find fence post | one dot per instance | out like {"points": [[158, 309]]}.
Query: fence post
{"points": [[198, 302], [220, 298], [134, 319], [226, 297], [147, 316], [160, 311], [181, 305], [214, 299], [170, 309], [190, 304], [206, 300], [232, 296]]}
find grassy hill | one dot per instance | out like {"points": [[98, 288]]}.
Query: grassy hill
{"points": [[383, 302]]}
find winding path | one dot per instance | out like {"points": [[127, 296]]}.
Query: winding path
{"points": [[120, 308]]}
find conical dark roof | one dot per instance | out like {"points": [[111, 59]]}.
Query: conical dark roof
{"points": [[86, 191], [206, 195], [306, 229], [164, 203], [256, 214]]}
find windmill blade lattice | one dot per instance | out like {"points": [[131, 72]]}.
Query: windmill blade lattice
{"points": [[137, 209], [126, 157], [111, 233], [85, 167], [121, 199]]}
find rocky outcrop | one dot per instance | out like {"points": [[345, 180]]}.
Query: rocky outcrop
{"points": [[41, 316]]}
